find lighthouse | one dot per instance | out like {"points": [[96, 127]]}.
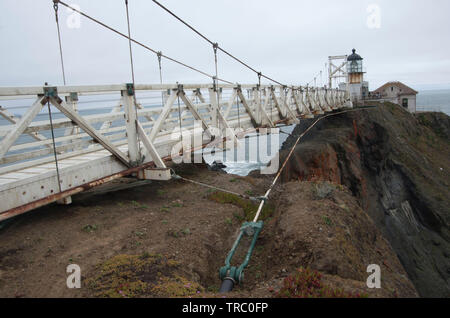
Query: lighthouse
{"points": [[355, 76]]}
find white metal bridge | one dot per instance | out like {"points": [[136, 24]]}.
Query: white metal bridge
{"points": [[52, 146]]}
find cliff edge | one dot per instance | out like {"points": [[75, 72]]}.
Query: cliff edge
{"points": [[397, 164]]}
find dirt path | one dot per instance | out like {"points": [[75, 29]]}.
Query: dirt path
{"points": [[175, 219], [169, 239]]}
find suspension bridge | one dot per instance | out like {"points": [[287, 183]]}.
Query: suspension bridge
{"points": [[50, 155], [63, 140]]}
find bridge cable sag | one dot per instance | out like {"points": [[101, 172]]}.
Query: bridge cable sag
{"points": [[212, 43], [232, 275], [178, 177], [266, 196], [139, 43]]}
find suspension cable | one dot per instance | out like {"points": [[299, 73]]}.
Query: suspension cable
{"points": [[139, 43], [160, 77], [215, 46], [129, 42], [132, 77], [212, 43], [275, 180], [55, 7], [178, 177], [54, 146]]}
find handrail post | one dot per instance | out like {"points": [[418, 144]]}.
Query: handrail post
{"points": [[128, 96]]}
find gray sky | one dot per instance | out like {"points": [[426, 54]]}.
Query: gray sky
{"points": [[289, 40]]}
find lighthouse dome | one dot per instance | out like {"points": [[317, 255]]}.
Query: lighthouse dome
{"points": [[354, 56]]}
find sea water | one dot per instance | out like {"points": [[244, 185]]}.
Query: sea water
{"points": [[434, 100]]}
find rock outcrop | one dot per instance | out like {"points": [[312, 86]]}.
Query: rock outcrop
{"points": [[398, 166], [321, 226]]}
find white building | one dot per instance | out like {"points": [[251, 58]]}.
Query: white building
{"points": [[397, 93]]}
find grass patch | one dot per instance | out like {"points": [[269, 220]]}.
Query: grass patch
{"points": [[180, 233], [176, 287], [327, 220], [138, 205], [139, 234], [140, 275], [248, 206], [165, 209], [229, 221], [90, 228], [160, 192]]}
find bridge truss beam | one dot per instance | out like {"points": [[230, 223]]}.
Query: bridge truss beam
{"points": [[133, 137]]}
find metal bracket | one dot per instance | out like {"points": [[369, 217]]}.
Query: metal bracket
{"points": [[155, 174], [73, 97], [50, 91], [214, 83], [130, 89]]}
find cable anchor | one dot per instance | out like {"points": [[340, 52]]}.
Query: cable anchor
{"points": [[233, 273]]}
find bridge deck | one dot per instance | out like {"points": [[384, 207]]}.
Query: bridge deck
{"points": [[92, 147]]}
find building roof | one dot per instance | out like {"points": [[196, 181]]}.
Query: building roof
{"points": [[354, 56], [405, 90]]}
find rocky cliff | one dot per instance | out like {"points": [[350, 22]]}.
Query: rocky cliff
{"points": [[398, 166]]}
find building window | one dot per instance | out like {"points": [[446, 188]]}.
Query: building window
{"points": [[392, 88], [405, 102]]}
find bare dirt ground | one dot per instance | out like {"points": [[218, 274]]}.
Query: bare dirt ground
{"points": [[169, 239]]}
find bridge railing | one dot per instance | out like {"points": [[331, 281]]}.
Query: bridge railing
{"points": [[87, 119]]}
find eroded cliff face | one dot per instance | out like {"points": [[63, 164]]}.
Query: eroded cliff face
{"points": [[398, 166]]}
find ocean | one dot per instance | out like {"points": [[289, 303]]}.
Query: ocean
{"points": [[434, 100]]}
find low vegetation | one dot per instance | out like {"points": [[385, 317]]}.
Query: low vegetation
{"points": [[145, 275], [307, 283], [248, 206]]}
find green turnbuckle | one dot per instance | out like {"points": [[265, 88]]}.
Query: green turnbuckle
{"points": [[237, 273]]}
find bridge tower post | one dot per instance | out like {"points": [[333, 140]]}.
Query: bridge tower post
{"points": [[213, 94], [130, 119]]}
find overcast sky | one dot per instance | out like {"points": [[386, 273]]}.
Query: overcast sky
{"points": [[289, 40]]}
